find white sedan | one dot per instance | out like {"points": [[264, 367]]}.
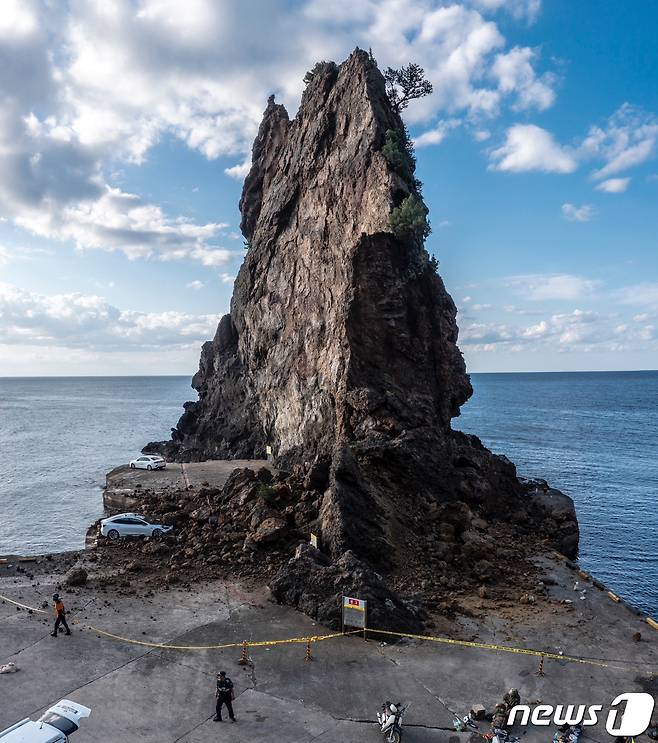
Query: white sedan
{"points": [[52, 727], [131, 525], [148, 462]]}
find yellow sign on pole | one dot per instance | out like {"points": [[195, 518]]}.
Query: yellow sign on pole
{"points": [[314, 540], [268, 450]]}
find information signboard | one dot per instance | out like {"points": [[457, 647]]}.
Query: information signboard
{"points": [[354, 612]]}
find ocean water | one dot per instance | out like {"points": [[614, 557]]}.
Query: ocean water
{"points": [[58, 438], [593, 435]]}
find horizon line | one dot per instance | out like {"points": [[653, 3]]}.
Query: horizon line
{"points": [[170, 376]]}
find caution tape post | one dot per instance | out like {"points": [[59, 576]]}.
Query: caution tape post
{"points": [[540, 670], [244, 655], [308, 655]]}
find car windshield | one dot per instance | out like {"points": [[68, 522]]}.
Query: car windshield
{"points": [[61, 723]]}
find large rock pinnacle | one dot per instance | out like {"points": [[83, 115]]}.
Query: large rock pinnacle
{"points": [[337, 330], [340, 349]]}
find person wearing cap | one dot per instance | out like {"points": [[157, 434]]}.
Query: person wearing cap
{"points": [[511, 699], [60, 615], [224, 695]]}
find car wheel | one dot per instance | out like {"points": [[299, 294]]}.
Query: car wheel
{"points": [[113, 534], [148, 467], [132, 465], [156, 534]]}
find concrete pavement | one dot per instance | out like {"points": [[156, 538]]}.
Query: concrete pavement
{"points": [[167, 696], [122, 481]]}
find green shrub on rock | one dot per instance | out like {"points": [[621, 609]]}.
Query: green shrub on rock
{"points": [[399, 153], [409, 221]]}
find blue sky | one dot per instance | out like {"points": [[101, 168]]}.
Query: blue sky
{"points": [[125, 131]]}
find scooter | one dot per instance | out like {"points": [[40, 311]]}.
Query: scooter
{"points": [[390, 721]]}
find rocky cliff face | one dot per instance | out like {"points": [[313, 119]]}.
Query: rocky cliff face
{"points": [[340, 350], [337, 329]]}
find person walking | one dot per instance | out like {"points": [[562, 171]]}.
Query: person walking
{"points": [[60, 615], [224, 695]]}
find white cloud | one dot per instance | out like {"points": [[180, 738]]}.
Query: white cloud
{"points": [[51, 166], [645, 294], [628, 139], [227, 278], [21, 253], [239, 171], [582, 213], [529, 147], [520, 9], [121, 221], [185, 71], [614, 185], [437, 134], [577, 330], [515, 73], [213, 256], [89, 322], [17, 19], [479, 334], [196, 285], [558, 286]]}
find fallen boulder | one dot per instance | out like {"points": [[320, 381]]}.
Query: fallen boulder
{"points": [[76, 577]]}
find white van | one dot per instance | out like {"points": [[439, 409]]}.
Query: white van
{"points": [[54, 726]]}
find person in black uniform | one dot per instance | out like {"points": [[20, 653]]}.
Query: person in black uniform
{"points": [[224, 695]]}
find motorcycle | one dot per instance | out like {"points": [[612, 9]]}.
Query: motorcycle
{"points": [[463, 723], [500, 735], [390, 721], [568, 734]]}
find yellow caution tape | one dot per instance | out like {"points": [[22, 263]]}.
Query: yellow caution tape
{"points": [[320, 638], [254, 644], [22, 606], [166, 646], [652, 623], [486, 646], [614, 597]]}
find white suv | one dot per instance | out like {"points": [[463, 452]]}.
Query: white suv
{"points": [[148, 462], [54, 726], [131, 525]]}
